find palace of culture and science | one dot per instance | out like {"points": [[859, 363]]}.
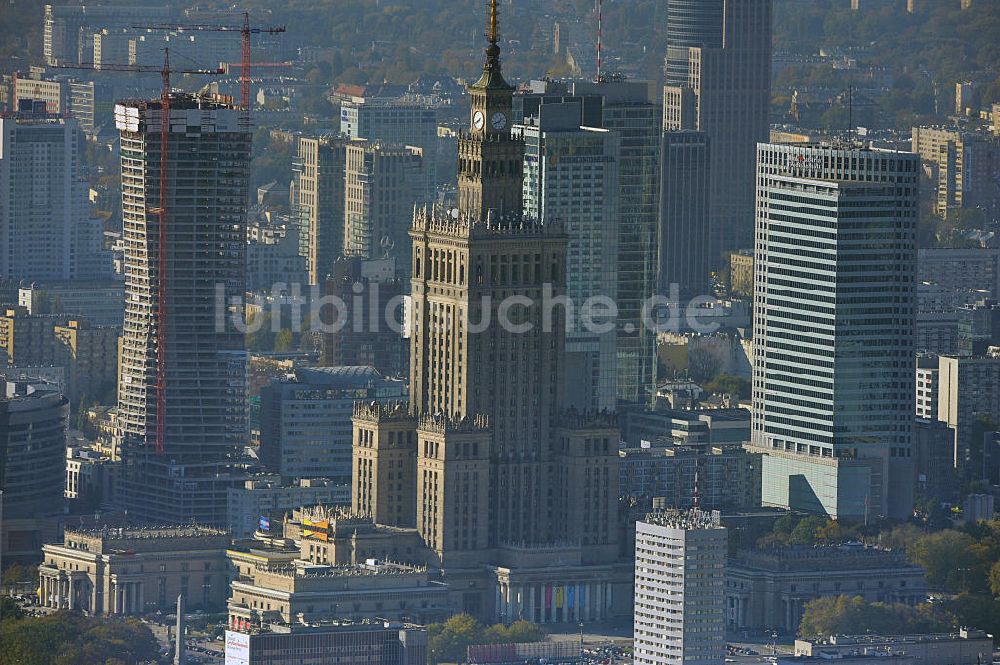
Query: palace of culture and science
{"points": [[483, 476]]}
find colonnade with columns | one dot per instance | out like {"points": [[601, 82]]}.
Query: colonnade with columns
{"points": [[59, 592], [552, 602], [63, 592], [127, 597]]}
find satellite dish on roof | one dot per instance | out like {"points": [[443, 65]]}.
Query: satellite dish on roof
{"points": [[387, 245]]}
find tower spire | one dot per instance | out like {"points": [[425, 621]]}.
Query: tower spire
{"points": [[492, 76], [493, 36]]}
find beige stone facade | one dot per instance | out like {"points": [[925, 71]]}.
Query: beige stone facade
{"points": [[134, 570], [741, 273], [330, 565], [509, 496], [91, 357]]}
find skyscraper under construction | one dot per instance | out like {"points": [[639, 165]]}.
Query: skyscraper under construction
{"points": [[181, 350]]}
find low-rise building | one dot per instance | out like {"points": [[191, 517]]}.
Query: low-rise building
{"points": [[933, 459], [134, 570], [969, 401], [102, 302], [727, 477], [90, 355], [860, 659], [966, 647], [28, 339], [305, 419], [977, 507], [273, 258], [687, 426], [324, 563], [768, 589], [91, 476], [377, 643], [262, 501], [304, 591], [741, 273]]}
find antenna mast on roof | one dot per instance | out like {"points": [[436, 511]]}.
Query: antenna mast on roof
{"points": [[600, 37]]}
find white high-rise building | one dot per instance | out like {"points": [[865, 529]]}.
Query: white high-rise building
{"points": [[680, 565], [46, 232], [833, 386], [571, 176]]}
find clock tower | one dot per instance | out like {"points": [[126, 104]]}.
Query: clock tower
{"points": [[490, 160]]}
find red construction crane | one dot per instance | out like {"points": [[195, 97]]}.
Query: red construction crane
{"points": [[161, 212], [245, 31], [230, 66]]}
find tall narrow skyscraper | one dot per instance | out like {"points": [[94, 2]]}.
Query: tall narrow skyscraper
{"points": [[629, 109], [833, 380], [719, 82], [571, 177], [690, 24], [683, 243], [204, 373], [319, 202]]}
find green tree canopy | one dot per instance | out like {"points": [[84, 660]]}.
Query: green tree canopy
{"points": [[729, 384], [808, 531], [447, 642], [950, 560], [852, 615], [66, 638]]}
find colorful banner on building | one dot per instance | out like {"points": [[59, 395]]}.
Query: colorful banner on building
{"points": [[317, 530]]}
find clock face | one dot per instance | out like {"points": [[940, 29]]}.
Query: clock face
{"points": [[478, 120], [499, 121]]}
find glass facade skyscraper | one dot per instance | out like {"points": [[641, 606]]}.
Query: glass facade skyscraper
{"points": [[834, 310]]}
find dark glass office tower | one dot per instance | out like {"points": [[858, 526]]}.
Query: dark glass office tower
{"points": [[690, 23]]}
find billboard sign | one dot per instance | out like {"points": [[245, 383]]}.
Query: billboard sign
{"points": [[237, 648]]}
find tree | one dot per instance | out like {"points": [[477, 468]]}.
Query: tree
{"points": [[66, 638], [448, 641], [283, 341], [519, 631], [809, 531], [729, 384], [9, 609], [995, 578], [901, 537], [851, 615], [703, 364], [950, 561]]}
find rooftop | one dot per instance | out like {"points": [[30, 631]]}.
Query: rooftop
{"points": [[440, 220], [183, 100], [145, 532], [841, 640], [685, 519]]}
